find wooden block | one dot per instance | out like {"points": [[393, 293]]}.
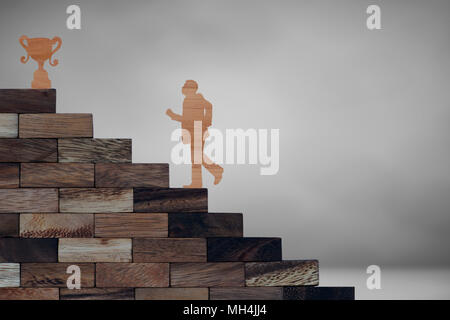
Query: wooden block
{"points": [[29, 294], [319, 293], [282, 273], [62, 175], [54, 274], [132, 225], [208, 274], [9, 125], [169, 250], [171, 293], [9, 275], [131, 175], [27, 100], [28, 250], [170, 200], [98, 294], [9, 175], [28, 150], [94, 250], [58, 125], [49, 225], [126, 275], [9, 225], [90, 200], [244, 249], [205, 225], [247, 293], [94, 150], [28, 200]]}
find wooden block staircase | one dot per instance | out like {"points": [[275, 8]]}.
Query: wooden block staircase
{"points": [[67, 198]]}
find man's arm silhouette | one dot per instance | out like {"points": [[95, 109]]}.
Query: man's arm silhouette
{"points": [[174, 116], [208, 114]]}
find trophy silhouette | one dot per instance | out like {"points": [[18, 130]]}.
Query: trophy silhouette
{"points": [[40, 50]]}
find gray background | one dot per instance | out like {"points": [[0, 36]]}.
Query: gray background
{"points": [[363, 115]]}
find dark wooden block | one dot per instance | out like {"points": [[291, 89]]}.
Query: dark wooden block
{"points": [[9, 225], [95, 200], [204, 225], [172, 293], [9, 175], [62, 175], [170, 200], [94, 150], [244, 249], [282, 273], [28, 150], [28, 200], [126, 275], [132, 175], [28, 250], [169, 250], [319, 293], [133, 225], [208, 274], [54, 275], [60, 125], [29, 293], [50, 225], [247, 293], [27, 100], [98, 294]]}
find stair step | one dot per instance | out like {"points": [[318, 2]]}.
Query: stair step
{"points": [[171, 293], [9, 175], [170, 200], [208, 274], [244, 249], [205, 225], [57, 175], [319, 293], [246, 293], [28, 150], [96, 200], [132, 225], [27, 100], [9, 225], [28, 250], [28, 200], [60, 125], [50, 225], [132, 175], [97, 294], [132, 275], [9, 125], [94, 150], [29, 293], [169, 250], [9, 275], [53, 275], [94, 250]]}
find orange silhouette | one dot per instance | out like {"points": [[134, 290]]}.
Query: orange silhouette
{"points": [[195, 120], [40, 49]]}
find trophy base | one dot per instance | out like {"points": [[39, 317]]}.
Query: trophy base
{"points": [[41, 80]]}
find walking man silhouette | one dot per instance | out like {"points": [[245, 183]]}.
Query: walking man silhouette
{"points": [[195, 120]]}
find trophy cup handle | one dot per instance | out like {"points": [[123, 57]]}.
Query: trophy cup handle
{"points": [[24, 59], [59, 41]]}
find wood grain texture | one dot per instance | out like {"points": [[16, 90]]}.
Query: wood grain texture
{"points": [[9, 175], [172, 294], [97, 294], [54, 275], [28, 200], [170, 200], [244, 249], [131, 225], [169, 250], [247, 293], [94, 250], [208, 274], [29, 294], [94, 150], [58, 125], [9, 275], [9, 125], [49, 225], [282, 273], [62, 175], [205, 225], [27, 101], [28, 250], [131, 175], [126, 275], [9, 225], [96, 200], [28, 150], [319, 293]]}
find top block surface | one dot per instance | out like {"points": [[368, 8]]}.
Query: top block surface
{"points": [[27, 100]]}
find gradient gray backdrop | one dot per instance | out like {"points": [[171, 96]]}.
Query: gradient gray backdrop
{"points": [[363, 115]]}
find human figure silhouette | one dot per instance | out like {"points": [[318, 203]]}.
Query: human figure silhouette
{"points": [[196, 110]]}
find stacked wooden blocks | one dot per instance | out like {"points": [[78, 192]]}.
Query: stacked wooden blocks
{"points": [[69, 199]]}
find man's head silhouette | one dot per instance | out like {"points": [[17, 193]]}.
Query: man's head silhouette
{"points": [[190, 87]]}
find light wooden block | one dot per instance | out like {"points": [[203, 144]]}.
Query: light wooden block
{"points": [[94, 150], [9, 275], [137, 275], [9, 125], [94, 250], [57, 125], [132, 225], [49, 225], [100, 200], [56, 175], [28, 200], [132, 175]]}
